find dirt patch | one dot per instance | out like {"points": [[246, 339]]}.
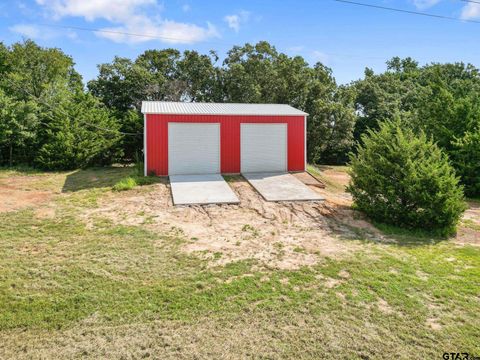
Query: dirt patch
{"points": [[469, 229], [433, 324], [472, 215], [384, 306], [16, 192], [284, 235], [340, 178], [467, 236], [45, 213], [421, 275], [331, 283], [473, 212], [335, 182]]}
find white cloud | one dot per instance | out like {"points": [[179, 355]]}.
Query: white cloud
{"points": [[111, 10], [131, 17], [471, 11], [169, 32], [234, 21], [30, 31], [425, 4], [40, 33]]}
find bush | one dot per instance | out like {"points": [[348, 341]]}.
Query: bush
{"points": [[405, 180]]}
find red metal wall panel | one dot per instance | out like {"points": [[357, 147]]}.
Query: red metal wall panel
{"points": [[157, 139], [157, 145]]}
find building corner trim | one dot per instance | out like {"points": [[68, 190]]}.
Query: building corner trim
{"points": [[145, 144], [305, 143]]}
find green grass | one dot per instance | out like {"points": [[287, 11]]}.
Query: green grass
{"points": [[317, 172], [23, 169], [68, 289], [127, 183], [136, 178], [313, 170], [250, 229]]}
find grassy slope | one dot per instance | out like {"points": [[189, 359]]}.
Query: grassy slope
{"points": [[61, 282]]}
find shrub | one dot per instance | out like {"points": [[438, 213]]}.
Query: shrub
{"points": [[404, 179]]}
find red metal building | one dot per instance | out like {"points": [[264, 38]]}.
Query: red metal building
{"points": [[202, 138]]}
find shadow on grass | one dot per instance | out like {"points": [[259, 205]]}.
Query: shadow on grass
{"points": [[410, 237], [339, 168], [92, 178], [22, 169], [346, 225]]}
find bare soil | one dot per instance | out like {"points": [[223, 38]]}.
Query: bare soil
{"points": [[473, 212], [16, 192], [333, 175], [285, 235]]}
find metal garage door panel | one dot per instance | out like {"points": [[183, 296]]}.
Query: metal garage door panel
{"points": [[263, 148], [193, 148]]}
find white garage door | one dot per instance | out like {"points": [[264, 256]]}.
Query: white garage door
{"points": [[263, 148], [193, 148]]}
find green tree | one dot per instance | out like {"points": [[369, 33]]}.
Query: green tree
{"points": [[18, 126], [81, 132], [164, 75], [404, 179], [250, 75], [30, 71], [442, 100], [448, 110], [466, 159], [131, 123], [122, 84], [332, 118], [382, 96], [198, 78]]}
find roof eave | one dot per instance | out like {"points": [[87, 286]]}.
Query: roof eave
{"points": [[205, 114]]}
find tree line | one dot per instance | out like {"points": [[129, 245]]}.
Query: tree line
{"points": [[50, 119]]}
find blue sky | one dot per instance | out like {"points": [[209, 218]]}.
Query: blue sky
{"points": [[345, 37]]}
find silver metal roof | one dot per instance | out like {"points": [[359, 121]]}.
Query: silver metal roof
{"points": [[193, 108]]}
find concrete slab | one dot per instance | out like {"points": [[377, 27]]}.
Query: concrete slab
{"points": [[281, 187], [201, 189]]}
